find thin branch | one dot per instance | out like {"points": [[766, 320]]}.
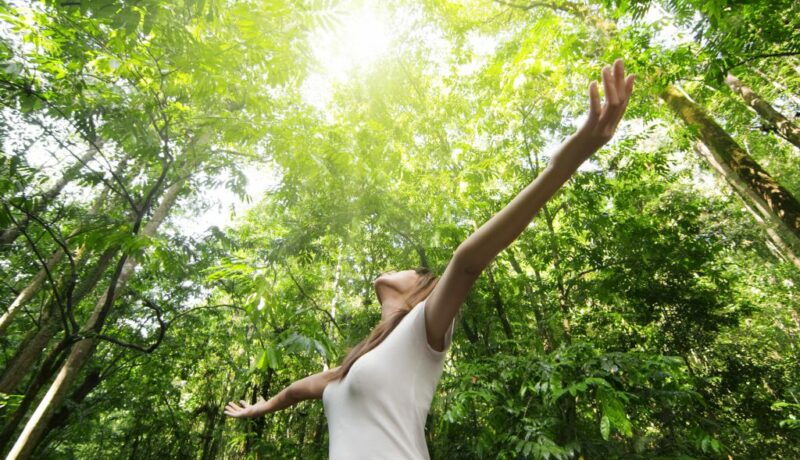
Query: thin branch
{"points": [[161, 332], [725, 70], [192, 310]]}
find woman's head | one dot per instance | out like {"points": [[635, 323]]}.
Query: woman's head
{"points": [[405, 288], [410, 286]]}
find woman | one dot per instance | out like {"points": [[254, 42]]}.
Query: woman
{"points": [[377, 400]]}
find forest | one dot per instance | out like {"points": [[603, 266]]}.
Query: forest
{"points": [[195, 196]]}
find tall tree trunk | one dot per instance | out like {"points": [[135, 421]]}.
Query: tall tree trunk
{"points": [[90, 382], [265, 393], [498, 305], [784, 127], [46, 371], [319, 430], [81, 351], [27, 293], [25, 358], [211, 434], [8, 235], [563, 300], [468, 330], [541, 325], [778, 199], [251, 432], [209, 428], [23, 361], [786, 243], [136, 436], [334, 300]]}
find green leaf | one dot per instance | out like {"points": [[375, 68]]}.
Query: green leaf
{"points": [[262, 360], [605, 427], [272, 356]]}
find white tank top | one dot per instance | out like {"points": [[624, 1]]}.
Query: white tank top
{"points": [[378, 411]]}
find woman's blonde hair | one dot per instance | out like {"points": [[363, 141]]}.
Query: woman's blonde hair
{"points": [[425, 284]]}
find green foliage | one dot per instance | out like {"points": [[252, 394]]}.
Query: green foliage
{"points": [[644, 313]]}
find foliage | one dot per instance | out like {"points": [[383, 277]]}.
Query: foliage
{"points": [[643, 314]]}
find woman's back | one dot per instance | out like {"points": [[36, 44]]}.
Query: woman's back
{"points": [[379, 409]]}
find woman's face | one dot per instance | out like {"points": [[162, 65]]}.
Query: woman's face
{"points": [[402, 282]]}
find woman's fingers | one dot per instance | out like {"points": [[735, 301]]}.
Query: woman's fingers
{"points": [[233, 410], [234, 406], [619, 79], [618, 102], [608, 84], [628, 88], [603, 117]]}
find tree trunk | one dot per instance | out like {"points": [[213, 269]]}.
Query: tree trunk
{"points": [[251, 431], [787, 245], [563, 301], [334, 302], [23, 361], [541, 325], [568, 431], [45, 373], [266, 385], [214, 415], [136, 436], [468, 331], [8, 235], [28, 291], [775, 119], [209, 428], [499, 307], [90, 382], [81, 351], [36, 283], [26, 356], [778, 199]]}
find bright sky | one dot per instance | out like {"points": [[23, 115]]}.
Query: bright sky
{"points": [[361, 35]]}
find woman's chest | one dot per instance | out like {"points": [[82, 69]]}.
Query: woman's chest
{"points": [[383, 372]]}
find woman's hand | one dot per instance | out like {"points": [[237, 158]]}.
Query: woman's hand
{"points": [[602, 122], [246, 410]]}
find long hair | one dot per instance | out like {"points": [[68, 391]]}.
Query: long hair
{"points": [[426, 282]]}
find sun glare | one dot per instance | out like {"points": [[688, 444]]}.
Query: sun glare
{"points": [[361, 35]]}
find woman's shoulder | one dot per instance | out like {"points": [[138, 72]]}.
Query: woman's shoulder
{"points": [[419, 330]]}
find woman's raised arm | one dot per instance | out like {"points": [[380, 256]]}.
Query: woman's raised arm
{"points": [[476, 252], [504, 227]]}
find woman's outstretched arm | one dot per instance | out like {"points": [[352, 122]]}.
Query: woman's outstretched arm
{"points": [[503, 228], [310, 387], [476, 252]]}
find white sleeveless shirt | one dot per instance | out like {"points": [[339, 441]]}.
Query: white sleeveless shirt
{"points": [[378, 411]]}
